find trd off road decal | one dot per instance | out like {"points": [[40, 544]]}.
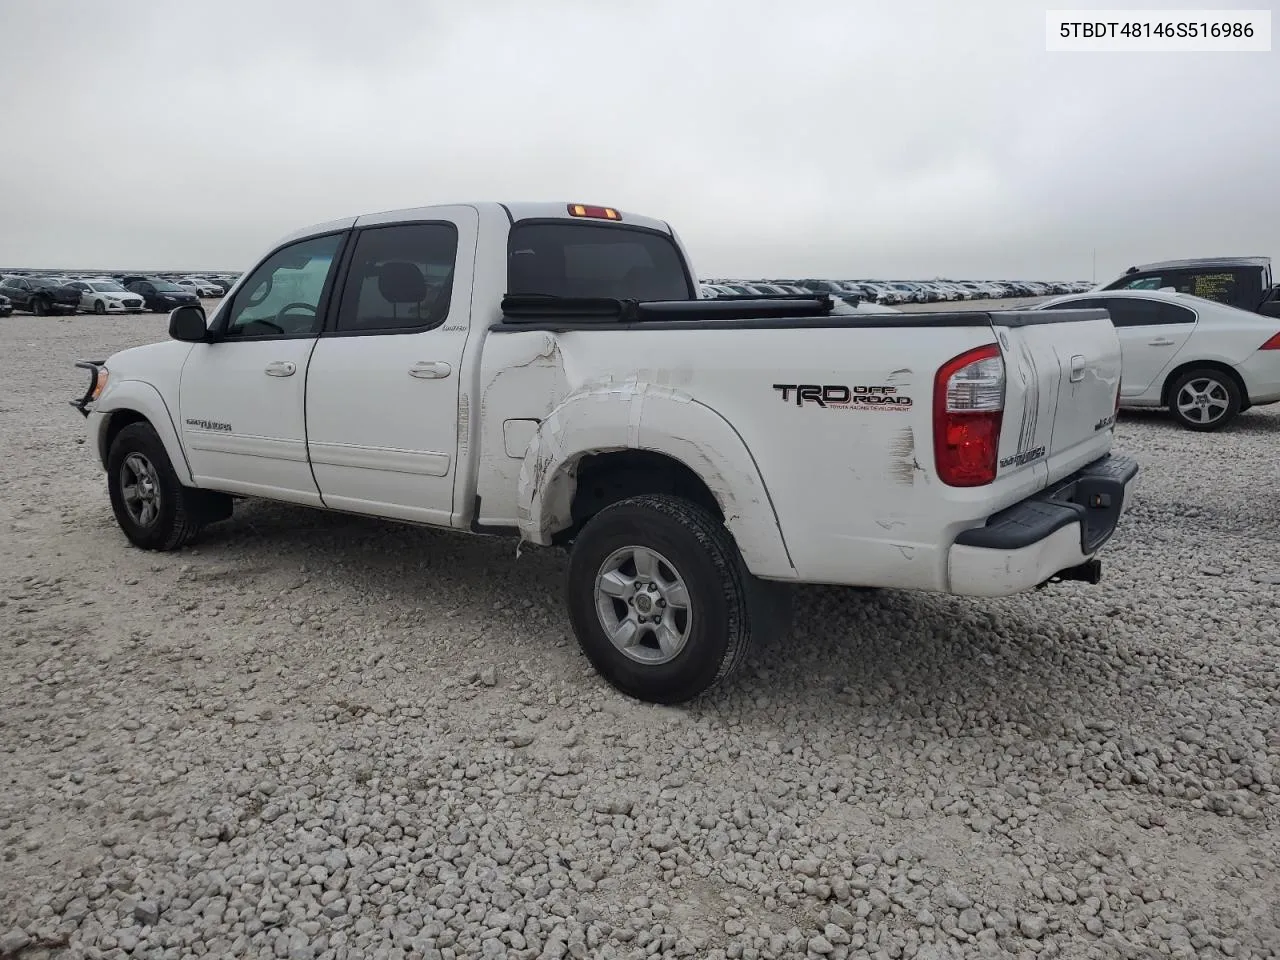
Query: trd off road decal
{"points": [[1104, 423], [209, 425], [841, 397]]}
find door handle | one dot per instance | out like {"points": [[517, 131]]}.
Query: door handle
{"points": [[1161, 342], [430, 370], [281, 368], [1077, 369]]}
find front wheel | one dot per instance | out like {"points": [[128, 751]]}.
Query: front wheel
{"points": [[38, 307], [1204, 399], [155, 511], [660, 600], [99, 307]]}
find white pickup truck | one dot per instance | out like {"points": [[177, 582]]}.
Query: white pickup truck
{"points": [[546, 371]]}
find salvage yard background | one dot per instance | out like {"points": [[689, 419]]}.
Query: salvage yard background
{"points": [[323, 735]]}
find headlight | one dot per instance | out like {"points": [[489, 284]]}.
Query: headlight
{"points": [[99, 383]]}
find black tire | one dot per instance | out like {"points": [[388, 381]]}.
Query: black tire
{"points": [[38, 307], [727, 607], [1215, 387], [175, 520], [99, 307]]}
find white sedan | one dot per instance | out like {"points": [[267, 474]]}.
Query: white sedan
{"points": [[106, 296], [201, 288], [1203, 360]]}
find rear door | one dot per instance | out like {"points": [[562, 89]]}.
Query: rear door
{"points": [[1151, 334], [1060, 396], [383, 385]]}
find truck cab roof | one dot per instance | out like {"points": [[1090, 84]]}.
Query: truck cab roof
{"points": [[512, 211]]}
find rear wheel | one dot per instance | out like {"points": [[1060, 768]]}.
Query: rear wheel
{"points": [[155, 511], [38, 307], [660, 600], [1204, 399]]}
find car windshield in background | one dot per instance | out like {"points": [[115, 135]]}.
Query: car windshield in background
{"points": [[163, 286], [589, 260], [108, 288]]}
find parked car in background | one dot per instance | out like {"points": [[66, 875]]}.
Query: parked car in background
{"points": [[1205, 361], [199, 286], [158, 295], [40, 295], [1242, 282], [107, 296]]}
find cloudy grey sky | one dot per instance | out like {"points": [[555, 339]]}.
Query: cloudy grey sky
{"points": [[817, 137]]}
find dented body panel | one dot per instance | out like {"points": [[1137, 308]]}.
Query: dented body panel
{"points": [[836, 486]]}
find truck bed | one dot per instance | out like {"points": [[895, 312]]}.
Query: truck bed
{"points": [[852, 480]]}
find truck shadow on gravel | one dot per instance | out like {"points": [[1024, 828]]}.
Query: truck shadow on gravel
{"points": [[848, 649]]}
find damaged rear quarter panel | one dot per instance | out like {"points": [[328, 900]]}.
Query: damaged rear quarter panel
{"points": [[835, 495]]}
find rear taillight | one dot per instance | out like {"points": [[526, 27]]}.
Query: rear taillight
{"points": [[1272, 344], [968, 407]]}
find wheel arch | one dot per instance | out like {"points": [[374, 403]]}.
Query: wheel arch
{"points": [[633, 439], [1217, 365], [135, 401]]}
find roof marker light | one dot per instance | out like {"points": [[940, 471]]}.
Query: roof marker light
{"points": [[597, 213]]}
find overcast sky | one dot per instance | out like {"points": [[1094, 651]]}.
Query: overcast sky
{"points": [[834, 138]]}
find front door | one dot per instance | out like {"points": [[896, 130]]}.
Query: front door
{"points": [[241, 395], [384, 381]]}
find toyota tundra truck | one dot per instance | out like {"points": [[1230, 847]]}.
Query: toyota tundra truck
{"points": [[547, 371]]}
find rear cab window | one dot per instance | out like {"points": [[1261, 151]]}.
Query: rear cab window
{"points": [[573, 259]]}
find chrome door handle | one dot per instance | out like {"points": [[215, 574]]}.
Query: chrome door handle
{"points": [[1161, 343], [1077, 369], [281, 368], [430, 370]]}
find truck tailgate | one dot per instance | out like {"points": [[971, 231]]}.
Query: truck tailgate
{"points": [[1062, 370]]}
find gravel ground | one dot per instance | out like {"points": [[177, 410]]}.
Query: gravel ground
{"points": [[323, 736]]}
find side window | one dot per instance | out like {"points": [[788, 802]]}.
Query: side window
{"points": [[282, 296], [1133, 312], [1145, 282], [1224, 286], [1172, 313], [400, 279], [1086, 304]]}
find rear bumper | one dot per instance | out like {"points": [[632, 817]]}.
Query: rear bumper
{"points": [[1261, 375], [1053, 533]]}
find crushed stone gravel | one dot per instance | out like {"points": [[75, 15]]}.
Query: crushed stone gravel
{"points": [[320, 736]]}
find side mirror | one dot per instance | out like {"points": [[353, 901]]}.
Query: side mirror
{"points": [[187, 323]]}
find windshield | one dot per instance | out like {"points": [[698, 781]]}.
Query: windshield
{"points": [[164, 286], [107, 287], [571, 259]]}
